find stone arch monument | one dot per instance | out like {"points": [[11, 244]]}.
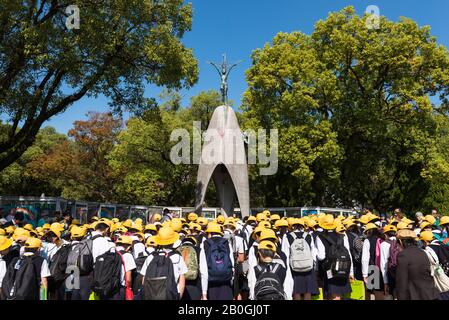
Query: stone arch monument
{"points": [[223, 156]]}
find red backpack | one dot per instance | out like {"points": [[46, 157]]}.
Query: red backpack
{"points": [[395, 248]]}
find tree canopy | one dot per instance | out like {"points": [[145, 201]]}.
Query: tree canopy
{"points": [[120, 46]]}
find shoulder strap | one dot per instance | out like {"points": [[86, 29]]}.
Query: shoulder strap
{"points": [[96, 237]]}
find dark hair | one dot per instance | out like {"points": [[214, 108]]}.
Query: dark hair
{"points": [[245, 218], [101, 226], [265, 253], [408, 242], [19, 216], [33, 250]]}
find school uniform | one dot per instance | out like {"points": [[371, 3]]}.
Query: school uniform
{"points": [[85, 282], [128, 264], [384, 257], [56, 290], [370, 258], [179, 266], [100, 244], [281, 273], [304, 282], [356, 264], [215, 291], [193, 287], [333, 286]]}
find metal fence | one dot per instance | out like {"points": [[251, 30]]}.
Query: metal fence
{"points": [[44, 208]]}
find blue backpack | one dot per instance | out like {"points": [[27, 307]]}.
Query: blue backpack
{"points": [[218, 260]]}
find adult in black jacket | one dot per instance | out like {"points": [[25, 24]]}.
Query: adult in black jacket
{"points": [[413, 278]]}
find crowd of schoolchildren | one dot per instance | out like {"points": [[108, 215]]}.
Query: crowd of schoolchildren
{"points": [[262, 257]]}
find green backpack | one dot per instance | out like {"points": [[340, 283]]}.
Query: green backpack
{"points": [[190, 256]]}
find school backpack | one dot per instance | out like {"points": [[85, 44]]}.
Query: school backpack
{"points": [[218, 260], [81, 256], [58, 263], [160, 281], [22, 278], [444, 258], [301, 259], [392, 263], [231, 239], [137, 277], [357, 245], [106, 274], [190, 256], [338, 260], [268, 285]]}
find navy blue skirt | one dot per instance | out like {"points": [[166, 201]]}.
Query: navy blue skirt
{"points": [[337, 287], [220, 292], [305, 282]]}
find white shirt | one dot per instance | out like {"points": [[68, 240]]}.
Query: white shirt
{"points": [[239, 245], [49, 249], [179, 266], [288, 282], [204, 269], [384, 256], [139, 248], [128, 264], [2, 270], [321, 251], [100, 245]]}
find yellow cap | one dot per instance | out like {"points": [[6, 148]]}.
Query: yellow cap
{"points": [[290, 220], [431, 219], [176, 224], [115, 220], [151, 241], [192, 216], [298, 221], [105, 221], [426, 236], [327, 222], [425, 224], [137, 226], [138, 221], [407, 220], [251, 219], [157, 217], [57, 226], [220, 219], [94, 218], [370, 226], [33, 243], [340, 228], [2, 232], [257, 230], [213, 227], [166, 236], [402, 225], [121, 229], [390, 228], [194, 226], [128, 223], [20, 234], [46, 226], [77, 232], [280, 223], [267, 234], [150, 227], [261, 217], [125, 240], [406, 234], [202, 221], [75, 222], [28, 227], [364, 219], [265, 224], [275, 217], [267, 245], [267, 213], [444, 220], [5, 243]]}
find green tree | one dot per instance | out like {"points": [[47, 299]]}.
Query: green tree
{"points": [[17, 179], [353, 109], [121, 45]]}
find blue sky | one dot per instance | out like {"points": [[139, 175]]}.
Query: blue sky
{"points": [[237, 27]]}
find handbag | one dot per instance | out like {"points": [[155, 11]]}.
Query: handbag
{"points": [[440, 278]]}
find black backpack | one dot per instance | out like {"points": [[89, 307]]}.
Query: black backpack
{"points": [[443, 256], [137, 277], [338, 259], [106, 274], [160, 281], [81, 256], [22, 279], [268, 285], [58, 264]]}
